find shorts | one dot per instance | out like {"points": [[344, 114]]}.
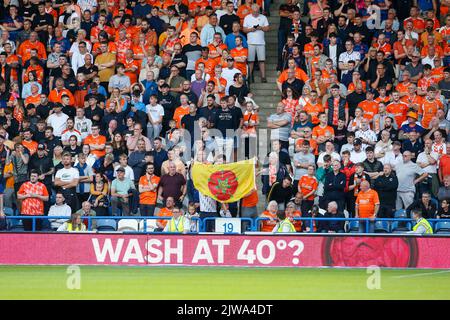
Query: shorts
{"points": [[256, 50]]}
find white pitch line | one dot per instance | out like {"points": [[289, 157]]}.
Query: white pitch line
{"points": [[421, 274]]}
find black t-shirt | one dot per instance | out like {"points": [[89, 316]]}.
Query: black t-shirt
{"points": [[27, 11], [178, 58], [224, 120], [296, 86], [208, 114], [226, 22], [87, 26], [70, 84], [90, 114], [239, 93], [43, 20], [168, 102], [73, 152], [87, 71], [237, 116], [42, 165], [43, 111], [51, 144]]}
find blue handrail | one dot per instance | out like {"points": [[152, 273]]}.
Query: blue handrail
{"points": [[254, 222]]}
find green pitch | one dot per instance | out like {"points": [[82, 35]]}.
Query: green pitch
{"points": [[50, 282]]}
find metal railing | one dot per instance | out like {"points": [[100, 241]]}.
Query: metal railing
{"points": [[253, 223]]}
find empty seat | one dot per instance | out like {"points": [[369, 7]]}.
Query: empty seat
{"points": [[400, 227], [442, 227], [400, 214], [381, 227], [14, 224], [8, 211], [151, 225], [128, 225], [106, 225], [353, 226]]}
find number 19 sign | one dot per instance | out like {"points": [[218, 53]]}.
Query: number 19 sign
{"points": [[228, 225]]}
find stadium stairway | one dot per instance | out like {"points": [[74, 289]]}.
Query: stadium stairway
{"points": [[267, 95]]}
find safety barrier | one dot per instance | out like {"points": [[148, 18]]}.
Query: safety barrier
{"points": [[383, 225]]}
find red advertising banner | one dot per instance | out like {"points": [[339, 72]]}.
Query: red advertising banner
{"points": [[223, 250]]}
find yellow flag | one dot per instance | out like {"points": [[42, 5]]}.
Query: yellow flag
{"points": [[225, 182]]}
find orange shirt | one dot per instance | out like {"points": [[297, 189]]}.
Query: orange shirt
{"points": [[366, 202], [267, 225], [223, 83], [180, 112], [39, 73], [90, 139], [25, 50], [313, 146], [352, 87], [399, 111], [132, 74], [299, 74], [370, 108], [402, 87], [148, 197], [96, 30], [241, 66], [11, 59], [55, 96], [297, 223], [385, 99], [194, 4], [210, 64], [428, 110], [251, 200], [36, 100], [318, 131], [306, 184], [33, 206], [438, 74], [31, 146], [111, 48], [418, 23], [386, 48], [411, 100], [424, 83], [439, 51], [122, 47], [164, 212], [313, 110], [213, 51], [243, 11], [247, 117]]}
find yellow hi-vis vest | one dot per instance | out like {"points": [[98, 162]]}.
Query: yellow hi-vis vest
{"points": [[70, 227], [423, 222], [286, 222], [177, 227]]}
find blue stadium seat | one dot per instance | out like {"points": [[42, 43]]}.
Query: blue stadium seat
{"points": [[400, 226], [8, 211], [382, 227], [442, 227], [353, 226], [15, 225], [106, 225], [400, 214]]}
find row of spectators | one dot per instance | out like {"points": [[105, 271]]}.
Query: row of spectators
{"points": [[110, 103]]}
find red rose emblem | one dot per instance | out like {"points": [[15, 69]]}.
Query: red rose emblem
{"points": [[223, 184]]}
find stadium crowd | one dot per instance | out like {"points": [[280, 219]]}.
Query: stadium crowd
{"points": [[105, 105]]}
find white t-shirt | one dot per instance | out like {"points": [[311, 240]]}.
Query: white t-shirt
{"points": [[357, 157], [58, 123], [156, 112], [256, 37], [228, 74], [59, 211], [423, 159], [67, 175]]}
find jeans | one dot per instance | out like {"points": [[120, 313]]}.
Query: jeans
{"points": [[147, 210], [153, 131], [209, 227], [282, 38]]}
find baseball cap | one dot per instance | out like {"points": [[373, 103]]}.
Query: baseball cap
{"points": [[371, 90], [230, 59], [41, 146], [120, 169], [335, 86], [412, 114], [357, 141]]}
